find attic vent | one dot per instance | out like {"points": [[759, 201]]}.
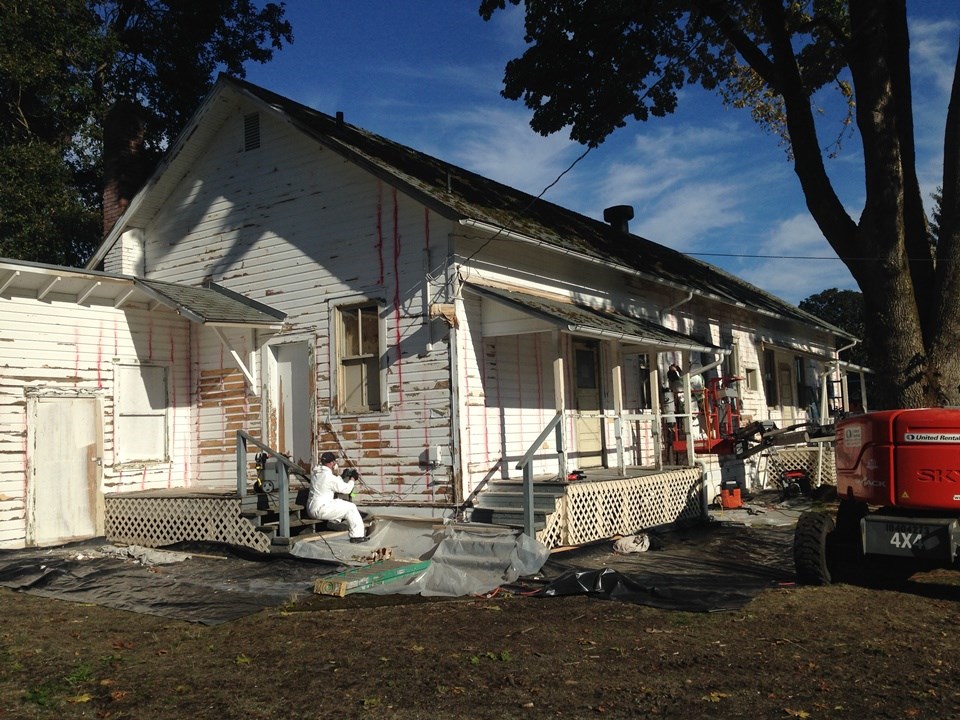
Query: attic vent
{"points": [[251, 131]]}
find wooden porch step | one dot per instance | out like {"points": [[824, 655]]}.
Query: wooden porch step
{"points": [[514, 501], [297, 526], [508, 517]]}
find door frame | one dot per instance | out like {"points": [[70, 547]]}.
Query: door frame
{"points": [[281, 430], [596, 455]]}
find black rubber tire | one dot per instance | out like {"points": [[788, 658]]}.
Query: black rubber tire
{"points": [[813, 554]]}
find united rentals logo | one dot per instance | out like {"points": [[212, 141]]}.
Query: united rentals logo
{"points": [[932, 437]]}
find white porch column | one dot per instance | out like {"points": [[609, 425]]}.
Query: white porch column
{"points": [[657, 429], [560, 394], [617, 375]]}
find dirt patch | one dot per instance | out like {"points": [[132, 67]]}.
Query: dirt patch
{"points": [[839, 651]]}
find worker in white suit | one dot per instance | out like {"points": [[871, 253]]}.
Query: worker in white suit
{"points": [[322, 504]]}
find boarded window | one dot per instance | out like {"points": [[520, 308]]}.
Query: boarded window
{"points": [[359, 358], [140, 427]]}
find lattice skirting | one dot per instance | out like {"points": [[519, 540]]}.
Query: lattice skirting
{"points": [[810, 459], [595, 510], [157, 521]]}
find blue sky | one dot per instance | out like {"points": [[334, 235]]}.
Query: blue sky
{"points": [[706, 180]]}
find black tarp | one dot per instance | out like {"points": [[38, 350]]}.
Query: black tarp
{"points": [[211, 585], [717, 566]]}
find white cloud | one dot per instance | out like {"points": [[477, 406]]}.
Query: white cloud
{"points": [[793, 276]]}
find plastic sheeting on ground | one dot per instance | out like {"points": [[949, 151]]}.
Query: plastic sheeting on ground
{"points": [[221, 584], [465, 559], [704, 568], [718, 566], [208, 588]]}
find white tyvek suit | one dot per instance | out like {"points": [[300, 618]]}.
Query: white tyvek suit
{"points": [[322, 505]]}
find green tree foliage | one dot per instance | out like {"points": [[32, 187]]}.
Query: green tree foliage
{"points": [[842, 308], [79, 76], [592, 65]]}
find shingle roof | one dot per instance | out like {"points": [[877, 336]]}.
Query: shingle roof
{"points": [[462, 194], [212, 304]]}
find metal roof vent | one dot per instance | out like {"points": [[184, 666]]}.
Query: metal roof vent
{"points": [[619, 217], [251, 131]]}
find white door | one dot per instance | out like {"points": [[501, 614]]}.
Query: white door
{"points": [[589, 451], [64, 498], [292, 402]]}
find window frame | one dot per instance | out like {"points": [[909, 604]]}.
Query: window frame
{"points": [[123, 391], [342, 360]]}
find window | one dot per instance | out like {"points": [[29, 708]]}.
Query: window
{"points": [[752, 379], [140, 427], [359, 358], [770, 378]]}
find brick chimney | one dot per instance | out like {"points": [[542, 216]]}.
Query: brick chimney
{"points": [[124, 161]]}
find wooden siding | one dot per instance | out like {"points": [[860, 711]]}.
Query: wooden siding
{"points": [[225, 404], [299, 228], [56, 348]]}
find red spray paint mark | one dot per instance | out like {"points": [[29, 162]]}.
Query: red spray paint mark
{"points": [[100, 357], [76, 356], [519, 378], [192, 380], [380, 232], [396, 317], [396, 296], [483, 407], [175, 409]]}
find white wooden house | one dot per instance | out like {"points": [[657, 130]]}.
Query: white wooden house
{"points": [[425, 323]]}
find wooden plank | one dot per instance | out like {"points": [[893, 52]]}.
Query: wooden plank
{"points": [[363, 578]]}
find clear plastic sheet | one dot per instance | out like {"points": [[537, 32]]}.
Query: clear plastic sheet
{"points": [[465, 559]]}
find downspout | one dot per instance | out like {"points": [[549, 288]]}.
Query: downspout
{"points": [[453, 355], [671, 308], [830, 367]]}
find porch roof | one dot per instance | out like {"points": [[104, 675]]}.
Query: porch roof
{"points": [[587, 321], [211, 305]]}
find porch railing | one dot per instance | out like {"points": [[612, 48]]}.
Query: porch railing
{"points": [[526, 465], [284, 468]]}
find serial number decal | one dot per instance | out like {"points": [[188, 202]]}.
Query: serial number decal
{"points": [[932, 437]]}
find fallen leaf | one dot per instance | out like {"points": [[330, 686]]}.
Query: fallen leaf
{"points": [[118, 694], [242, 659], [715, 697], [796, 713], [81, 698]]}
